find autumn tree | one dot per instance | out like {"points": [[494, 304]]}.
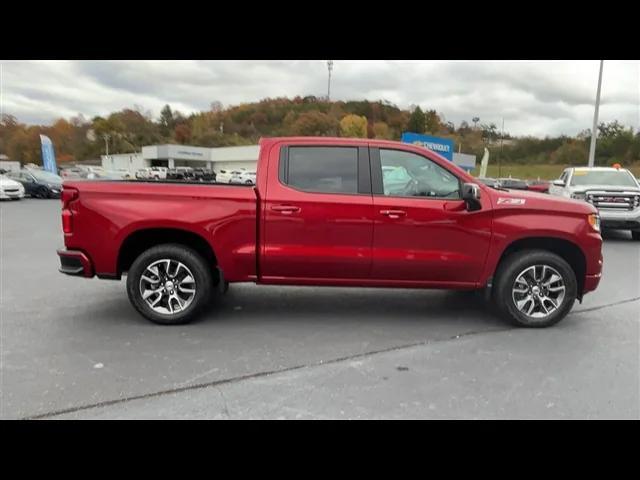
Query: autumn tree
{"points": [[432, 122], [381, 130], [353, 126], [417, 121], [182, 133], [570, 153], [167, 122], [314, 124]]}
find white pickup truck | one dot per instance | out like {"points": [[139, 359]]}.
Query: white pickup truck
{"points": [[614, 191]]}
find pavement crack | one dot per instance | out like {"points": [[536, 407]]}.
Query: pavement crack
{"points": [[606, 305], [240, 378], [217, 383]]}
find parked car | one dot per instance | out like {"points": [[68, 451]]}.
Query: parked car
{"points": [[513, 183], [113, 175], [204, 174], [143, 173], [491, 182], [72, 172], [180, 173], [541, 186], [614, 191], [158, 173], [38, 183], [319, 215], [91, 171], [226, 176], [123, 172], [10, 189], [244, 178]]}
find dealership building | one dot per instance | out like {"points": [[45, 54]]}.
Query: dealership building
{"points": [[246, 156], [222, 158]]}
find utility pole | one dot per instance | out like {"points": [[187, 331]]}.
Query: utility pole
{"points": [[594, 130], [330, 68]]}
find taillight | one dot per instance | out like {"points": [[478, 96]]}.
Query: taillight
{"points": [[67, 221], [68, 195]]}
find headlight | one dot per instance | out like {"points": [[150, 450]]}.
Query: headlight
{"points": [[594, 221], [578, 196]]}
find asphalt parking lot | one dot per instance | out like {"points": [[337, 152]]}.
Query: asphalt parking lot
{"points": [[75, 348]]}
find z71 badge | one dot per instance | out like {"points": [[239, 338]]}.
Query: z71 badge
{"points": [[511, 201]]}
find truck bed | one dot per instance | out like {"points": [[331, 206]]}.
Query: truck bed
{"points": [[106, 213]]}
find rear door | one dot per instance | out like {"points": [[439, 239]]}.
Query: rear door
{"points": [[318, 213]]}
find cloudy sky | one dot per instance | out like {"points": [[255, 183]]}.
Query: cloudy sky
{"points": [[533, 97]]}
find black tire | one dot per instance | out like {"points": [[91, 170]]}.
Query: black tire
{"points": [[635, 234], [511, 267], [199, 268]]}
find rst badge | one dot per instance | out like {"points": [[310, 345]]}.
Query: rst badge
{"points": [[511, 201]]}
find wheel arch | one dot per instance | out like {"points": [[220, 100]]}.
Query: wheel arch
{"points": [[566, 249], [143, 239]]}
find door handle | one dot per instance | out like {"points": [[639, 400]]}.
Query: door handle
{"points": [[393, 213], [286, 209]]}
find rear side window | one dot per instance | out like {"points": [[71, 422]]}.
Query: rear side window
{"points": [[322, 169]]}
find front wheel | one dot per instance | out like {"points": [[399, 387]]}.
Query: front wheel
{"points": [[635, 234], [535, 288], [169, 284]]}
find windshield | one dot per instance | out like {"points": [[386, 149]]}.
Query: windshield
{"points": [[618, 178], [45, 176]]}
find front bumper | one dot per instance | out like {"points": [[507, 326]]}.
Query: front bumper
{"points": [[625, 220], [9, 195], [591, 282], [75, 262]]}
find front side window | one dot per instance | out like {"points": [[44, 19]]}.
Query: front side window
{"points": [[323, 169], [406, 174]]}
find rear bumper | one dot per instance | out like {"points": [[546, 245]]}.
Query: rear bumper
{"points": [[75, 262]]}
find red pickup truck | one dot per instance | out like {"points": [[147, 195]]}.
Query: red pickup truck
{"points": [[334, 211]]}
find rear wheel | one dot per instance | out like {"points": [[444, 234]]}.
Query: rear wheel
{"points": [[535, 288], [635, 234], [169, 284]]}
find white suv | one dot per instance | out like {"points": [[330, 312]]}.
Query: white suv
{"points": [[143, 174], [615, 192], [158, 173]]}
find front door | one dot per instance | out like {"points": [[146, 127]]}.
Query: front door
{"points": [[318, 214], [423, 231]]}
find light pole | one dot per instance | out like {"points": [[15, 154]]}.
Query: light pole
{"points": [[594, 131], [500, 154], [330, 68], [106, 143]]}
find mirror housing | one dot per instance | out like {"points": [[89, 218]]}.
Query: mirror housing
{"points": [[558, 183], [471, 195]]}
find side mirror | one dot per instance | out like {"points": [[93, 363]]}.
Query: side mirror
{"points": [[559, 183], [471, 195]]}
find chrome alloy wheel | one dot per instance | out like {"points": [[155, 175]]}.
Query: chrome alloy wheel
{"points": [[538, 291], [167, 286]]}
